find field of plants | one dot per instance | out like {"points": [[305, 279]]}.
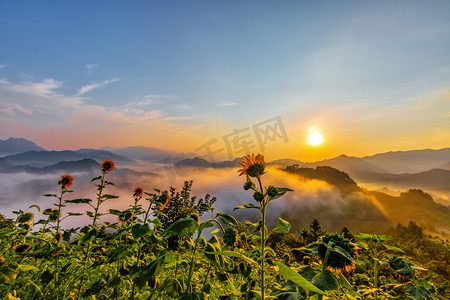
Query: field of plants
{"points": [[172, 245]]}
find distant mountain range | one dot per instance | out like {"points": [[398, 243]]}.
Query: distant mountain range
{"points": [[17, 145], [426, 169], [143, 153], [84, 165], [45, 158]]}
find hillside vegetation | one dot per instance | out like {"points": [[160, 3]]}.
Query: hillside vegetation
{"points": [[172, 245]]}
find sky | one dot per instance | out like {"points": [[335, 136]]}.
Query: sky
{"points": [[199, 76]]}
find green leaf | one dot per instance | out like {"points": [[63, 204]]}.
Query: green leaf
{"points": [[215, 231], [139, 230], [207, 224], [96, 178], [78, 201], [182, 227], [113, 256], [233, 254], [282, 226], [89, 214], [152, 269], [373, 237], [115, 212], [246, 206], [227, 219], [417, 292], [28, 268], [50, 195], [34, 205], [326, 281], [393, 248], [108, 196], [297, 279], [74, 214], [281, 192], [7, 275]]}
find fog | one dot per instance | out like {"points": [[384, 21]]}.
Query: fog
{"points": [[310, 198]]}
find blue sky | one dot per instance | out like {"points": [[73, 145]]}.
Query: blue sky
{"points": [[371, 74]]}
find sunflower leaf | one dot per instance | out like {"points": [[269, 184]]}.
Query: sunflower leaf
{"points": [[246, 206]]}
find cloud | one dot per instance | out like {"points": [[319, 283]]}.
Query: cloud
{"points": [[13, 109], [2, 66], [226, 103], [150, 99], [91, 68], [38, 110], [87, 88]]}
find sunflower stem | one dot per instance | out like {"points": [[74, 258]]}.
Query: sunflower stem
{"points": [[263, 239]]}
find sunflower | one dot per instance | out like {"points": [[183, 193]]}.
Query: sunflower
{"points": [[125, 216], [252, 165], [107, 165], [66, 181], [336, 261], [166, 198], [138, 192]]}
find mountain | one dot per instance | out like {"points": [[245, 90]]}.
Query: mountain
{"points": [[203, 163], [445, 166], [434, 179], [4, 163], [354, 166], [45, 158], [142, 153], [17, 145], [410, 161], [361, 209], [84, 165]]}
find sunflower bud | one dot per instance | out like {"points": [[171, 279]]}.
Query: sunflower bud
{"points": [[272, 191], [247, 185], [258, 196]]}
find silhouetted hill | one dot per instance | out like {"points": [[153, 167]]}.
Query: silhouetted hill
{"points": [[328, 174], [435, 179], [142, 153], [203, 163], [360, 209], [84, 165], [4, 162], [101, 155], [409, 161], [354, 166], [17, 145], [445, 166], [45, 158], [414, 205]]}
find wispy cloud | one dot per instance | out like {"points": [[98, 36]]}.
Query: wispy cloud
{"points": [[87, 88], [39, 110], [2, 66], [226, 103], [91, 68], [150, 99], [13, 109], [182, 106]]}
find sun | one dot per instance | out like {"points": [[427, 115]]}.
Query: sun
{"points": [[315, 138]]}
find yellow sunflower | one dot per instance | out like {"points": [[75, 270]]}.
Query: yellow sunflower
{"points": [[138, 192], [107, 165], [66, 181], [252, 165]]}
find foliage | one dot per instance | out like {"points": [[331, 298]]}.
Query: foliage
{"points": [[165, 246]]}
